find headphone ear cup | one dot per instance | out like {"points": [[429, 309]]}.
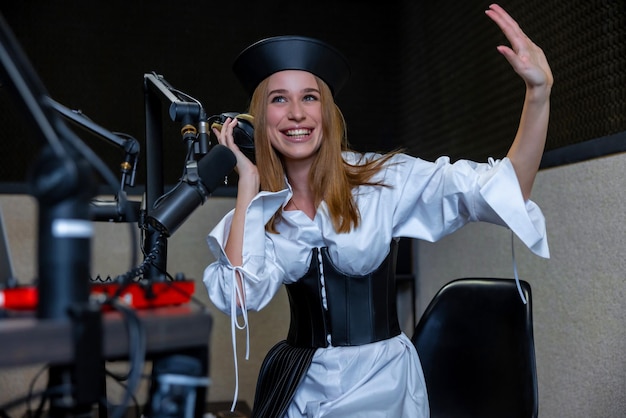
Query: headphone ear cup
{"points": [[244, 135]]}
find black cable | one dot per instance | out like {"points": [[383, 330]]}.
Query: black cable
{"points": [[127, 278], [119, 379], [136, 354], [57, 390], [171, 282], [31, 387]]}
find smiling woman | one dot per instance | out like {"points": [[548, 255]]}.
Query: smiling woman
{"points": [[324, 220]]}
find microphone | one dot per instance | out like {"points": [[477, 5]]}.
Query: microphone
{"points": [[175, 208]]}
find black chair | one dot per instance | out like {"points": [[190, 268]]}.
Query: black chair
{"points": [[475, 342]]}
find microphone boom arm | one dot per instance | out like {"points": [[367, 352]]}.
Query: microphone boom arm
{"points": [[190, 113], [129, 144]]}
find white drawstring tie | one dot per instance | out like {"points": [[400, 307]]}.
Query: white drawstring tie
{"points": [[517, 283], [238, 295]]}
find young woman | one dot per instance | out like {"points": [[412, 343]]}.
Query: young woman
{"points": [[322, 220]]}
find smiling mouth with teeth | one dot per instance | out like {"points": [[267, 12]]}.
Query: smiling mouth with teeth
{"points": [[298, 132]]}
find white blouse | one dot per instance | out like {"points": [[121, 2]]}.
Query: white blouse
{"points": [[424, 200]]}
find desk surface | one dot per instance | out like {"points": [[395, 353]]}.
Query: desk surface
{"points": [[25, 339]]}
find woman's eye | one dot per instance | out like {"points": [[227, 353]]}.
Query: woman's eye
{"points": [[278, 99], [310, 98]]}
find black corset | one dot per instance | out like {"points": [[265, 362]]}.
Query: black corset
{"points": [[361, 309]]}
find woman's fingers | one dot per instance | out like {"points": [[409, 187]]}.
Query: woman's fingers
{"points": [[526, 58], [224, 134]]}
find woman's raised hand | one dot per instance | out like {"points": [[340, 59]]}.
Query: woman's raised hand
{"points": [[526, 58]]}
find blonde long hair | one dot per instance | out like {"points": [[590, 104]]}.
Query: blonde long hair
{"points": [[331, 177]]}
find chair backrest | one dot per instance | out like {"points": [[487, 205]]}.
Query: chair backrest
{"points": [[475, 342]]}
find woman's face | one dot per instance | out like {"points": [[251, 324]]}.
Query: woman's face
{"points": [[294, 114]]}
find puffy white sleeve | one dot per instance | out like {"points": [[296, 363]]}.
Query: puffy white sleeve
{"points": [[524, 217], [261, 274], [435, 199]]}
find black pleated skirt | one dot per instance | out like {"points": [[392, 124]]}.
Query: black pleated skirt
{"points": [[280, 374]]}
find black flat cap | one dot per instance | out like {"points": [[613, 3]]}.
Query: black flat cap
{"points": [[270, 55]]}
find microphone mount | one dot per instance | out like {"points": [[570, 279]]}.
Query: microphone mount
{"points": [[126, 142], [184, 109], [190, 114], [114, 211]]}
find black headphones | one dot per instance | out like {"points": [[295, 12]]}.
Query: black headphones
{"points": [[243, 132]]}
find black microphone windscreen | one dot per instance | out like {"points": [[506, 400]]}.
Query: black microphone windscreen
{"points": [[174, 209], [215, 166]]}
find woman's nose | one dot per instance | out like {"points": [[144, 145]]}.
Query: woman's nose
{"points": [[295, 111]]}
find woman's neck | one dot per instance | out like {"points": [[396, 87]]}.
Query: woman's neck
{"points": [[302, 198]]}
